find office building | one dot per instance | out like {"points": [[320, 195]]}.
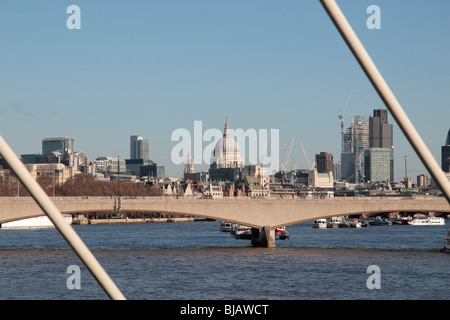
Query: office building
{"points": [[61, 145], [324, 162], [31, 158], [337, 171], [355, 141], [134, 165], [348, 166], [139, 148], [110, 166], [379, 157], [377, 164], [380, 131], [56, 173]]}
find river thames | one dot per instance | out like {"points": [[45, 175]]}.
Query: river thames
{"points": [[196, 261]]}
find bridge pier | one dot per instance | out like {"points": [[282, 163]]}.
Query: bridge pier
{"points": [[264, 237]]}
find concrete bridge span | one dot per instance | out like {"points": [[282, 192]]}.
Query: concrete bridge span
{"points": [[264, 215]]}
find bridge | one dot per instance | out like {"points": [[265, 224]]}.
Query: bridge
{"points": [[263, 215]]}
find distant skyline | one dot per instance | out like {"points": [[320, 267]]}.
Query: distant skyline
{"points": [[148, 68]]}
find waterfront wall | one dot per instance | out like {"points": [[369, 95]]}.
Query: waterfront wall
{"points": [[130, 220]]}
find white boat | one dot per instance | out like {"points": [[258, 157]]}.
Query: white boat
{"points": [[435, 221], [334, 222], [243, 232], [446, 247], [320, 223], [226, 226], [355, 224], [37, 222]]}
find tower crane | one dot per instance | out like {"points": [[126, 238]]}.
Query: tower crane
{"points": [[288, 153], [341, 116], [306, 156]]}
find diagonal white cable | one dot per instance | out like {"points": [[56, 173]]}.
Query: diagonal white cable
{"points": [[63, 227], [386, 95]]}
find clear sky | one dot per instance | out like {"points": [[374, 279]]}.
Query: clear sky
{"points": [[151, 67]]}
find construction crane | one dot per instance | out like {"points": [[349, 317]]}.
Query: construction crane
{"points": [[341, 116], [306, 156], [288, 153]]}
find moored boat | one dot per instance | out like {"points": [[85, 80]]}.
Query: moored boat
{"points": [[281, 233], [243, 232], [401, 220], [364, 224], [434, 221], [226, 226], [378, 221], [320, 223], [334, 222], [284, 235], [344, 224], [355, 224], [36, 222]]}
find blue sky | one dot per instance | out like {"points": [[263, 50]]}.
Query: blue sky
{"points": [[150, 67]]}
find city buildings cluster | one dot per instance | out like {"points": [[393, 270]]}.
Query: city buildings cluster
{"points": [[366, 167], [60, 161]]}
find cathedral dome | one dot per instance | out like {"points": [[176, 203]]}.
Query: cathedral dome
{"points": [[226, 153]]}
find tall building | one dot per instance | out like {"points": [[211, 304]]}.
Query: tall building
{"points": [[324, 162], [355, 141], [62, 145], [379, 157], [445, 154], [377, 164], [139, 148], [380, 131], [348, 166]]}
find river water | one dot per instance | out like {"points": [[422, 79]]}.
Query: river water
{"points": [[195, 261]]}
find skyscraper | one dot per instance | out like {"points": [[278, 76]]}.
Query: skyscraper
{"points": [[324, 162], [355, 141], [379, 157], [380, 131], [139, 148]]}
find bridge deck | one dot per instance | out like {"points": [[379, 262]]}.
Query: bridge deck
{"points": [[256, 213]]}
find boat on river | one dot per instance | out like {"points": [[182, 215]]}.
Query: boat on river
{"points": [[334, 222], [281, 233], [433, 221], [36, 222], [379, 221], [320, 224], [355, 224], [344, 224], [243, 232], [226, 226], [401, 220]]}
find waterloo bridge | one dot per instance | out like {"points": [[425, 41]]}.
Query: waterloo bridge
{"points": [[263, 215]]}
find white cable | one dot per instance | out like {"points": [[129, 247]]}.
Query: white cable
{"points": [[63, 227], [386, 95]]}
